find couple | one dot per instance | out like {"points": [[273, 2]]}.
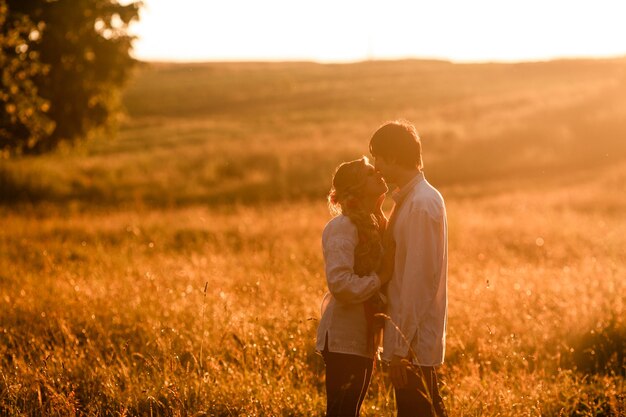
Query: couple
{"points": [[397, 267]]}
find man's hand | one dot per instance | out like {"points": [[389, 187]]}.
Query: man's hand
{"points": [[398, 372]]}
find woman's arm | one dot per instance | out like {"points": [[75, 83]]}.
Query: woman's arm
{"points": [[346, 286]]}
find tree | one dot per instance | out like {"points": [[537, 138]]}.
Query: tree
{"points": [[74, 57], [23, 119]]}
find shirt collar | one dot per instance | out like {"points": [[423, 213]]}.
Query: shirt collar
{"points": [[400, 194]]}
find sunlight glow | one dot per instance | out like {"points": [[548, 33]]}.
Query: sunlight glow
{"points": [[351, 30]]}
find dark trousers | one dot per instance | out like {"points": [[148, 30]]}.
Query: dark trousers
{"points": [[421, 396], [347, 380]]}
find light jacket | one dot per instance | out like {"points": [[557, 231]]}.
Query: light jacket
{"points": [[343, 325]]}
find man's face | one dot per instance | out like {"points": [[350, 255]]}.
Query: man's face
{"points": [[385, 168]]}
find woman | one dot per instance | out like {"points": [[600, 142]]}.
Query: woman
{"points": [[356, 268]]}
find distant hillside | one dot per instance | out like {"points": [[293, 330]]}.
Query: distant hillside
{"points": [[356, 90], [476, 120]]}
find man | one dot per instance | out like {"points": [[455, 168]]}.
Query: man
{"points": [[414, 338]]}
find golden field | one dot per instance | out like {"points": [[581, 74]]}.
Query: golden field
{"points": [[176, 269]]}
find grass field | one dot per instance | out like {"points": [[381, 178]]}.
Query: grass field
{"points": [[177, 270]]}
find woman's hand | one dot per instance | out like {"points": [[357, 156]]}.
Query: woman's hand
{"points": [[385, 269], [380, 215], [379, 203], [378, 210]]}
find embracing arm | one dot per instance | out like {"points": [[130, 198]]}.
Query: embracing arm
{"points": [[343, 283]]}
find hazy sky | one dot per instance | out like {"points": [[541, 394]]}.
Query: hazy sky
{"points": [[351, 30]]}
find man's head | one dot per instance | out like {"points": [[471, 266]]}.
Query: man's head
{"points": [[396, 148]]}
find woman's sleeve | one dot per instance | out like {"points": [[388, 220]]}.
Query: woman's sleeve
{"points": [[346, 286]]}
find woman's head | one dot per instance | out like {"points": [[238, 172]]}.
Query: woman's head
{"points": [[356, 184], [356, 189]]}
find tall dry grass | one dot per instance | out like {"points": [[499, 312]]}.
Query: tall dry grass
{"points": [[103, 312], [177, 270]]}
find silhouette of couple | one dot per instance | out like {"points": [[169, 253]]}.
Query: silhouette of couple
{"points": [[387, 278]]}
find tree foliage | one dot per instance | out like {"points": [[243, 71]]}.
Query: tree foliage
{"points": [[63, 63], [23, 119]]}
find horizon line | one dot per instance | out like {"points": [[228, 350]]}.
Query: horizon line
{"points": [[382, 59]]}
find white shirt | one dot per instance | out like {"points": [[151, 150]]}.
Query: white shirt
{"points": [[343, 315], [417, 292]]}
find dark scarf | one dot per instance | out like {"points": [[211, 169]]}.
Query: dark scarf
{"points": [[367, 257]]}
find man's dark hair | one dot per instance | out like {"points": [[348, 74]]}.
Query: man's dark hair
{"points": [[399, 142]]}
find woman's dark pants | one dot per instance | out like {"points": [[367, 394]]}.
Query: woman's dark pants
{"points": [[347, 379]]}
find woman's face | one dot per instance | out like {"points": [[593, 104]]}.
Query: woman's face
{"points": [[374, 185]]}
